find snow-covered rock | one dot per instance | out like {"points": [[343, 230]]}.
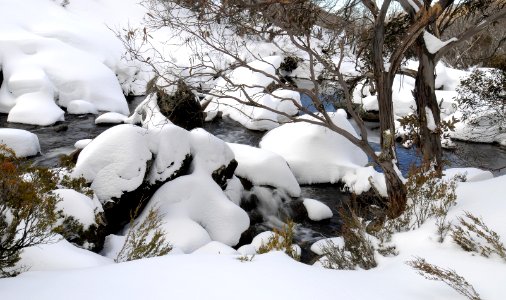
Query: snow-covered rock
{"points": [[316, 154], [24, 143], [317, 210], [262, 167], [82, 143], [81, 107], [111, 118], [193, 205], [81, 207], [116, 161]]}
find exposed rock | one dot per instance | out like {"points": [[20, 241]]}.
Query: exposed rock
{"points": [[224, 173], [182, 107], [118, 212]]}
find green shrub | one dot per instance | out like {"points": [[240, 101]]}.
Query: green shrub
{"points": [[144, 240], [357, 251], [282, 240], [27, 208]]}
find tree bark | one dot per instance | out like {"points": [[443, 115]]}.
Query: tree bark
{"points": [[396, 190], [425, 98]]}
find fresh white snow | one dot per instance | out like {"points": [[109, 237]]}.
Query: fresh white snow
{"points": [[24, 143]]}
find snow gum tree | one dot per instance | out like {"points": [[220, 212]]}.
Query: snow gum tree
{"points": [[475, 16], [319, 35]]}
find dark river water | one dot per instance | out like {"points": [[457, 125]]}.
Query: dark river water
{"points": [[60, 139]]}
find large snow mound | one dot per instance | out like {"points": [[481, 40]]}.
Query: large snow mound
{"points": [[64, 56], [192, 204], [314, 153], [24, 143]]}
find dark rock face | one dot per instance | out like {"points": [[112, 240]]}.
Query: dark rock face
{"points": [[118, 212], [182, 107], [224, 173]]}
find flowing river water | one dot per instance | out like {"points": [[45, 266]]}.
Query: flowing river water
{"points": [[59, 139]]}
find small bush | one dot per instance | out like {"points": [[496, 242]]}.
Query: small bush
{"points": [[482, 98], [27, 208], [144, 240], [282, 240], [429, 196], [473, 235], [357, 251], [450, 277]]}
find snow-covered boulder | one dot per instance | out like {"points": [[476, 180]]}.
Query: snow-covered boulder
{"points": [[317, 210], [262, 167], [116, 164], [212, 156], [110, 118], [81, 107], [193, 205], [82, 219], [316, 154], [24, 143]]}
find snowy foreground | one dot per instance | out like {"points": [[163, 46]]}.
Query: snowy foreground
{"points": [[78, 66], [74, 273]]}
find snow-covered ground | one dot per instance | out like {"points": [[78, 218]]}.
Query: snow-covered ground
{"points": [[84, 275], [72, 60]]}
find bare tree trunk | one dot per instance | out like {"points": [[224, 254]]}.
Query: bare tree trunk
{"points": [[425, 98], [396, 190]]}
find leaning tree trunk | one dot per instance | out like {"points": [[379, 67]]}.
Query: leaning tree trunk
{"points": [[425, 98]]}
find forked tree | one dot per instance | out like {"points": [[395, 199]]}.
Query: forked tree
{"points": [[223, 35]]}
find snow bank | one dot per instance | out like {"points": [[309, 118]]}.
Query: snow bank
{"points": [[24, 143], [229, 97], [262, 167], [65, 57], [216, 248], [60, 255], [472, 174], [82, 143]]}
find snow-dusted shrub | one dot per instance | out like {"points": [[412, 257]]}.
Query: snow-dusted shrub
{"points": [[27, 208], [450, 277], [282, 240], [145, 239], [482, 98], [429, 196], [356, 249], [473, 235]]}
